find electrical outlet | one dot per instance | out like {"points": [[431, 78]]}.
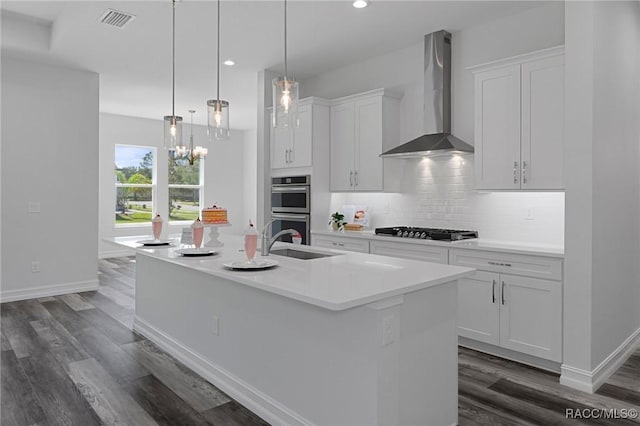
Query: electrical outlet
{"points": [[215, 326], [35, 266], [531, 214], [388, 330], [33, 207]]}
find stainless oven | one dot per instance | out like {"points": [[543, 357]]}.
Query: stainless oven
{"points": [[291, 194], [299, 222], [290, 205]]}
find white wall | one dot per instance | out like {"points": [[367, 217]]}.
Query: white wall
{"points": [[50, 156], [250, 191], [602, 285], [223, 174], [616, 195], [444, 195]]}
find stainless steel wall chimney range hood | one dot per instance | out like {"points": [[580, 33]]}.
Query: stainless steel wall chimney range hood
{"points": [[437, 139]]}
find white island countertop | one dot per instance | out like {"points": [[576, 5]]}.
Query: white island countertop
{"points": [[502, 246], [338, 282]]}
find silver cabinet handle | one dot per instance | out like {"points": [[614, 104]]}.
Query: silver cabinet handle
{"points": [[515, 172], [524, 172], [351, 178], [355, 176], [493, 292], [291, 156], [498, 263], [286, 156], [503, 298]]}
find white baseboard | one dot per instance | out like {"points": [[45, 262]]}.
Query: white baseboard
{"points": [[106, 254], [258, 402], [590, 381], [48, 290]]}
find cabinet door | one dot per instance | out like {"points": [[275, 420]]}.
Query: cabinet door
{"points": [[368, 164], [479, 307], [280, 145], [497, 128], [408, 250], [531, 316], [342, 146], [341, 243], [300, 155], [543, 123]]}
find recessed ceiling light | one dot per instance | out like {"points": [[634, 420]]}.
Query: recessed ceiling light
{"points": [[359, 4], [229, 62]]}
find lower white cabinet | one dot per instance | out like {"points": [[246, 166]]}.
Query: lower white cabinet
{"points": [[515, 312], [409, 251], [341, 243]]}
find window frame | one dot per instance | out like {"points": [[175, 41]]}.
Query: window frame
{"points": [[199, 187], [153, 186]]}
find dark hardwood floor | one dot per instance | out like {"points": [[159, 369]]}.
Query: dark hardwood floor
{"points": [[74, 360]]}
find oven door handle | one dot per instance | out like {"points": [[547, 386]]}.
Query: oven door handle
{"points": [[298, 217], [289, 189]]}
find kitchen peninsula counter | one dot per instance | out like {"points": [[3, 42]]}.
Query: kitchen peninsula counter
{"points": [[353, 338]]}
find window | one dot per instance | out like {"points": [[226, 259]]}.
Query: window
{"points": [[185, 189], [134, 184]]}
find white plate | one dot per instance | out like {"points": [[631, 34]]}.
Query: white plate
{"points": [[193, 252], [258, 264], [154, 242]]}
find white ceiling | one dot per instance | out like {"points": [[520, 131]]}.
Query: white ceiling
{"points": [[134, 63]]}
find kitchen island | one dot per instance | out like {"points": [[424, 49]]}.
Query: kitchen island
{"points": [[350, 338]]}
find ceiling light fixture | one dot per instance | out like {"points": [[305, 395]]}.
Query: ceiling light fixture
{"points": [[285, 92], [360, 4], [191, 153], [173, 123], [218, 110], [229, 63]]}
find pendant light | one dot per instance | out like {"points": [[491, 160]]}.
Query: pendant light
{"points": [[191, 153], [173, 123], [285, 92], [217, 109]]}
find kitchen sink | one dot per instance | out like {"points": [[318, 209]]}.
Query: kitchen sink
{"points": [[299, 254]]}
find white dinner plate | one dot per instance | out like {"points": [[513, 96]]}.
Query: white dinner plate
{"points": [[194, 252], [258, 264], [154, 242]]}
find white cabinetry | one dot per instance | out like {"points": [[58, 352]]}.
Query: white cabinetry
{"points": [[499, 306], [341, 243], [519, 122], [409, 251], [294, 147], [360, 126]]}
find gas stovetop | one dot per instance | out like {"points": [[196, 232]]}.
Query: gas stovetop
{"points": [[427, 233]]}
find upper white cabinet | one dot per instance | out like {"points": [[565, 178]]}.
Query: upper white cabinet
{"points": [[360, 126], [294, 147], [519, 122]]}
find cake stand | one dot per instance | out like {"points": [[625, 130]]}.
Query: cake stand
{"points": [[213, 240]]}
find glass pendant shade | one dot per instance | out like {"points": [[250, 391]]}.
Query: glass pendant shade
{"points": [[172, 132], [218, 119], [285, 102]]}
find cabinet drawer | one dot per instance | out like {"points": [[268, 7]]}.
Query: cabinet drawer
{"points": [[340, 243], [531, 266], [409, 251]]}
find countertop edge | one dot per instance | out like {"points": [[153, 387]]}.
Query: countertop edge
{"points": [[522, 249]]}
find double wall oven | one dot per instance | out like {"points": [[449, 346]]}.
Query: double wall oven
{"points": [[290, 205]]}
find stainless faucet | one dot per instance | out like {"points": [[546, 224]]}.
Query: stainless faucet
{"points": [[268, 242]]}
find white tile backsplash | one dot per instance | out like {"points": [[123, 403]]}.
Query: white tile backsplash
{"points": [[439, 192]]}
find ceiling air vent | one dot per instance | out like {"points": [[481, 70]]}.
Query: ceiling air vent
{"points": [[115, 18]]}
